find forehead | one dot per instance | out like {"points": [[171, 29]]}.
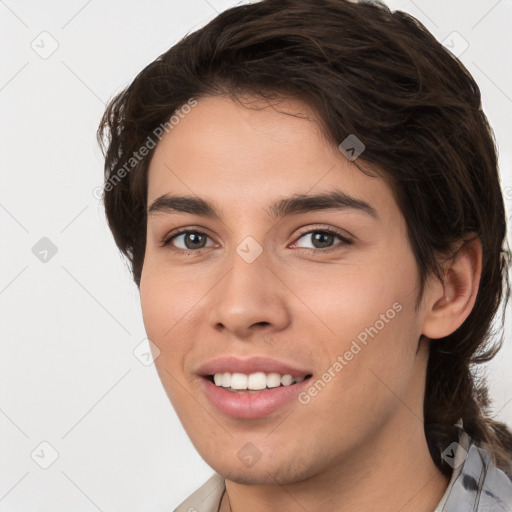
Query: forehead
{"points": [[233, 153]]}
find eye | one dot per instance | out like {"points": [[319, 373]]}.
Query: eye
{"points": [[189, 240], [321, 239]]}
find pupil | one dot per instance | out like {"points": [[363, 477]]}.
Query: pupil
{"points": [[322, 239], [194, 240]]}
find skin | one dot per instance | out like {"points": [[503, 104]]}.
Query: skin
{"points": [[358, 444]]}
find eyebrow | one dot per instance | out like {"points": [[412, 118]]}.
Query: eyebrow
{"points": [[287, 206]]}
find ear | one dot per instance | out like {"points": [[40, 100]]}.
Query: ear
{"points": [[449, 303]]}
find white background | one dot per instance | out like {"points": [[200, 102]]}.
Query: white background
{"points": [[68, 374]]}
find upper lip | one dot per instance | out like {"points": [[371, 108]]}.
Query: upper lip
{"points": [[251, 365]]}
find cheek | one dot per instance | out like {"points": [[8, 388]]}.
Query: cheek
{"points": [[161, 317], [162, 310], [172, 307], [368, 308], [166, 301], [345, 301], [153, 297]]}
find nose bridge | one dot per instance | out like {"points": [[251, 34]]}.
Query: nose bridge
{"points": [[249, 295]]}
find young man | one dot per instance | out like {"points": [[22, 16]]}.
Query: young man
{"points": [[309, 198]]}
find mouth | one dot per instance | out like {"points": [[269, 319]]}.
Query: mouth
{"points": [[234, 396], [254, 382], [254, 387]]}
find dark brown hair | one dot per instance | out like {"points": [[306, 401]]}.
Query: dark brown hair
{"points": [[381, 76]]}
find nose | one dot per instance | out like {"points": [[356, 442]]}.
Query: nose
{"points": [[250, 299]]}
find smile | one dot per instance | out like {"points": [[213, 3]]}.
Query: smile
{"points": [[254, 387], [258, 381]]}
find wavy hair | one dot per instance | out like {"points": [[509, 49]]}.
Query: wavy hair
{"points": [[381, 76]]}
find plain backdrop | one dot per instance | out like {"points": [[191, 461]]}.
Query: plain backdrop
{"points": [[77, 395]]}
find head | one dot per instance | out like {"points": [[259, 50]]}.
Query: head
{"points": [[241, 124]]}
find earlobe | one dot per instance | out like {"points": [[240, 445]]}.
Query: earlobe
{"points": [[448, 304]]}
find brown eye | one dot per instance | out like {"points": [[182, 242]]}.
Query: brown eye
{"points": [[194, 240], [188, 240], [321, 239]]}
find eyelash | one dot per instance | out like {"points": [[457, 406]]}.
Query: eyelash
{"points": [[330, 231]]}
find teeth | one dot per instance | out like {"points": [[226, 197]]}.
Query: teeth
{"points": [[286, 380], [238, 381], [226, 380], [273, 380], [255, 381]]}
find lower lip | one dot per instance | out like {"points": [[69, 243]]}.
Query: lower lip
{"points": [[251, 405]]}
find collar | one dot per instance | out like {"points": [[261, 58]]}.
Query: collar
{"points": [[476, 485]]}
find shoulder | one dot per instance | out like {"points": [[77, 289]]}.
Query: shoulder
{"points": [[477, 484]]}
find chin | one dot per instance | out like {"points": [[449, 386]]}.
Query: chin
{"points": [[269, 472]]}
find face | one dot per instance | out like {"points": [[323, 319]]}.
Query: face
{"points": [[279, 287]]}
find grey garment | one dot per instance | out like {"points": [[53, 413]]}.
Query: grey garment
{"points": [[476, 484]]}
